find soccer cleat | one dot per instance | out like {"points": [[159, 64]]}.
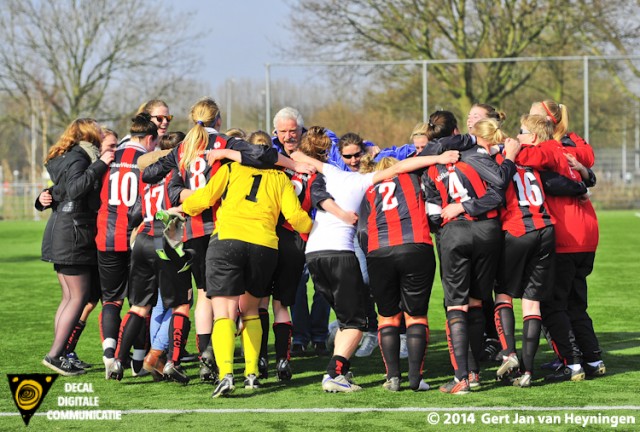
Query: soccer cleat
{"points": [[367, 345], [187, 357], [509, 363], [455, 386], [404, 350], [595, 371], [74, 360], [552, 365], [490, 349], [474, 380], [208, 367], [566, 374], [263, 368], [334, 326], [339, 384], [107, 365], [175, 372], [392, 384], [224, 387], [523, 380], [142, 372], [422, 386], [251, 382], [298, 350], [115, 371], [62, 365], [320, 349], [283, 370]]}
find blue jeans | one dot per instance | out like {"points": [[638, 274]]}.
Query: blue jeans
{"points": [[372, 316], [159, 326], [309, 326]]}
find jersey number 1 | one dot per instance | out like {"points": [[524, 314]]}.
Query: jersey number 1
{"points": [[253, 194]]}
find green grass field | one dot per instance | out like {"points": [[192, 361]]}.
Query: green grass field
{"points": [[30, 293]]}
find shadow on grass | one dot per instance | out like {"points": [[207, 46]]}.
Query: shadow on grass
{"points": [[19, 259]]}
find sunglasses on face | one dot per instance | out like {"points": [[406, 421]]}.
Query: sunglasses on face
{"points": [[162, 118], [349, 156], [524, 132]]}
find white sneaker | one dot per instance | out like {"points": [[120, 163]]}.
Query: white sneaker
{"points": [[368, 344], [423, 386], [404, 351], [338, 384], [107, 365]]}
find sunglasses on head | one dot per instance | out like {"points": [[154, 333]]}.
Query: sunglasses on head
{"points": [[349, 156], [162, 118]]}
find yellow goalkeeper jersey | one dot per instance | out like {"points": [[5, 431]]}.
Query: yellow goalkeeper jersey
{"points": [[252, 200]]}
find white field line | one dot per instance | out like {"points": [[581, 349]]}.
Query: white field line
{"points": [[638, 214], [363, 410]]}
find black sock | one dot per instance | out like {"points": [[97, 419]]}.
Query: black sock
{"points": [[458, 341], [417, 340], [488, 307], [338, 365], [530, 340], [505, 324], [141, 345], [110, 325], [75, 336], [132, 325], [476, 325], [264, 323], [389, 341], [203, 340], [178, 329], [282, 332]]}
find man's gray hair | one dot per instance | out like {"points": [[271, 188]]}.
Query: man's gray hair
{"points": [[288, 113]]}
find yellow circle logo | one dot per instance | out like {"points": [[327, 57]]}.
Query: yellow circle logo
{"points": [[28, 394]]}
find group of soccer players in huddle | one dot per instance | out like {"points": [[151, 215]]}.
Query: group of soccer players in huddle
{"points": [[239, 216]]}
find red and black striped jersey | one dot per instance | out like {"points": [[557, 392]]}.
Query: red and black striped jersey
{"points": [[196, 176], [453, 183], [120, 186], [395, 213], [525, 209], [153, 197]]}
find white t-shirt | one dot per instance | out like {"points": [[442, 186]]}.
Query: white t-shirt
{"points": [[347, 189]]}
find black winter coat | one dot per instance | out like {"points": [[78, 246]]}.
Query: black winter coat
{"points": [[69, 237]]}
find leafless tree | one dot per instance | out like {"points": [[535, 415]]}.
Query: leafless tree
{"points": [[65, 56], [461, 29]]}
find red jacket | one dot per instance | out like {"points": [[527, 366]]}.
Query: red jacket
{"points": [[576, 222]]}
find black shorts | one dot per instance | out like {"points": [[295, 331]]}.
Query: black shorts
{"points": [[72, 269], [235, 267], [337, 276], [114, 274], [76, 270], [149, 273], [286, 277], [469, 257], [401, 278], [198, 265], [527, 265]]}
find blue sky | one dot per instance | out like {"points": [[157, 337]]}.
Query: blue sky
{"points": [[243, 36]]}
